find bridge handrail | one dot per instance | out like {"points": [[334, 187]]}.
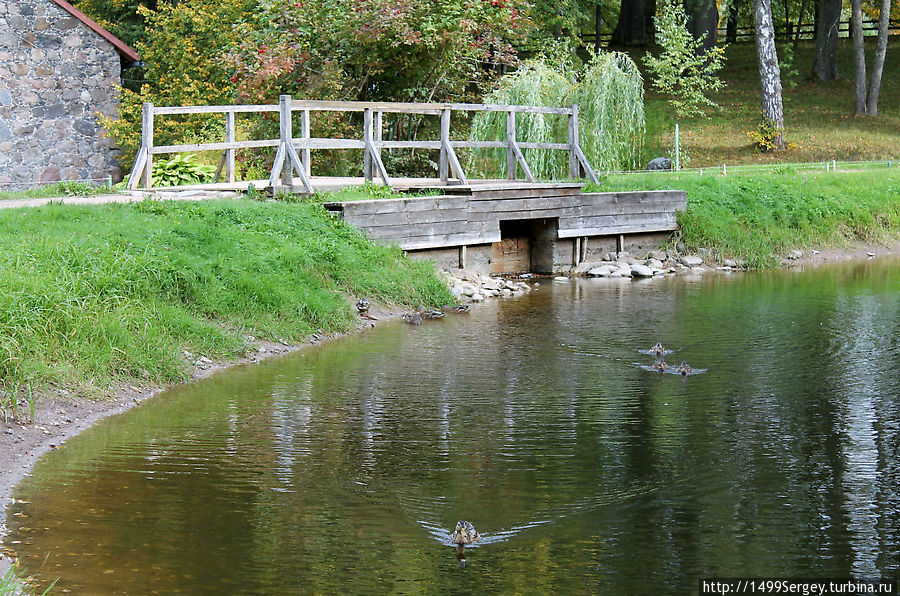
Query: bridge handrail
{"points": [[288, 160]]}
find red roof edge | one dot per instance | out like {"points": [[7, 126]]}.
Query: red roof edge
{"points": [[124, 49]]}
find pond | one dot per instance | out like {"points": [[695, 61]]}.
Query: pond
{"points": [[342, 468]]}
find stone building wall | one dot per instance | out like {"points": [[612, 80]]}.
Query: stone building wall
{"points": [[56, 74]]}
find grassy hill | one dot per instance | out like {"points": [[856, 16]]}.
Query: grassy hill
{"points": [[818, 116]]}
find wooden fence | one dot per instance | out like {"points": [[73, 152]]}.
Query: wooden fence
{"points": [[294, 154], [783, 31]]}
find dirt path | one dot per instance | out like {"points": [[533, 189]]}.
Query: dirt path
{"points": [[131, 196]]}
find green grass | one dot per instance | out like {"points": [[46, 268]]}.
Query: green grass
{"points": [[94, 296], [818, 116], [758, 217], [13, 584], [66, 188]]}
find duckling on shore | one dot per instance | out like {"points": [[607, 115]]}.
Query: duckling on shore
{"points": [[362, 306]]}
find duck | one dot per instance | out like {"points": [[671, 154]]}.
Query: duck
{"points": [[459, 308], [427, 314], [412, 318], [362, 306], [660, 365], [465, 533], [684, 368], [658, 350]]}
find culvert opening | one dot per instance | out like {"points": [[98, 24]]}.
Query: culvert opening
{"points": [[526, 246]]}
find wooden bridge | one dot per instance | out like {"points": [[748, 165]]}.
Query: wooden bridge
{"points": [[489, 226], [293, 158]]}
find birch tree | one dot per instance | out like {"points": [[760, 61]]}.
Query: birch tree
{"points": [[772, 126], [867, 95]]}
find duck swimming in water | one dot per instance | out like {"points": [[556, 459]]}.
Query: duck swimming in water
{"points": [[658, 350], [660, 365], [684, 369], [465, 533], [412, 318]]}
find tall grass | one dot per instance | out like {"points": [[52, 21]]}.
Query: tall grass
{"points": [[759, 217], [92, 296], [609, 94], [13, 584]]}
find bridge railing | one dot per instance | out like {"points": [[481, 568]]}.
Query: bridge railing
{"points": [[294, 153]]}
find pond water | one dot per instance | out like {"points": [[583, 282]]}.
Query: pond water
{"points": [[342, 468]]}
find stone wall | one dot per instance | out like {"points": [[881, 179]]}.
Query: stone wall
{"points": [[55, 76]]}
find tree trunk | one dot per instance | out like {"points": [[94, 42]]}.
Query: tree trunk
{"points": [[703, 21], [631, 28], [878, 60], [829, 19], [732, 23], [859, 55], [598, 21], [769, 71]]}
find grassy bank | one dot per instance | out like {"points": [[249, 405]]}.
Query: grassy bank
{"points": [[818, 116], [757, 218], [94, 296]]}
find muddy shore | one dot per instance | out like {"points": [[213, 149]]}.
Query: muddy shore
{"points": [[56, 419]]}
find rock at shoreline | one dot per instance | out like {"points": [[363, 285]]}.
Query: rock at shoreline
{"points": [[691, 261], [659, 163]]}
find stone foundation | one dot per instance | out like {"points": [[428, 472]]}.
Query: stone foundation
{"points": [[56, 75]]}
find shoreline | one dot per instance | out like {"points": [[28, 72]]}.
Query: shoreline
{"points": [[56, 420]]}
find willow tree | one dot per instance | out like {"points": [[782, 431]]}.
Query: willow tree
{"points": [[609, 94]]}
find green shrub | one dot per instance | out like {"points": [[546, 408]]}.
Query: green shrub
{"points": [[181, 170]]}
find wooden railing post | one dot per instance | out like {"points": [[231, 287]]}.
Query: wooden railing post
{"points": [[304, 133], [147, 144], [445, 142], [574, 166], [368, 170], [229, 153], [510, 144], [285, 135]]}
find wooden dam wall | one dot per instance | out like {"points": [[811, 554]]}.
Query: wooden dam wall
{"points": [[499, 228]]}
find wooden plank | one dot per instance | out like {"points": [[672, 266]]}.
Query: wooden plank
{"points": [[516, 215], [439, 215], [449, 241], [574, 164], [611, 230], [406, 230], [582, 159], [479, 194], [454, 162], [320, 143], [480, 144], [633, 209], [173, 110], [544, 146], [408, 144], [527, 204], [213, 146], [480, 107]]}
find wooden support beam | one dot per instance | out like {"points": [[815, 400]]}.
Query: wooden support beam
{"points": [[304, 134], [522, 162], [585, 165], [229, 153], [147, 144], [454, 161], [371, 151], [574, 173], [510, 141], [444, 168]]}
